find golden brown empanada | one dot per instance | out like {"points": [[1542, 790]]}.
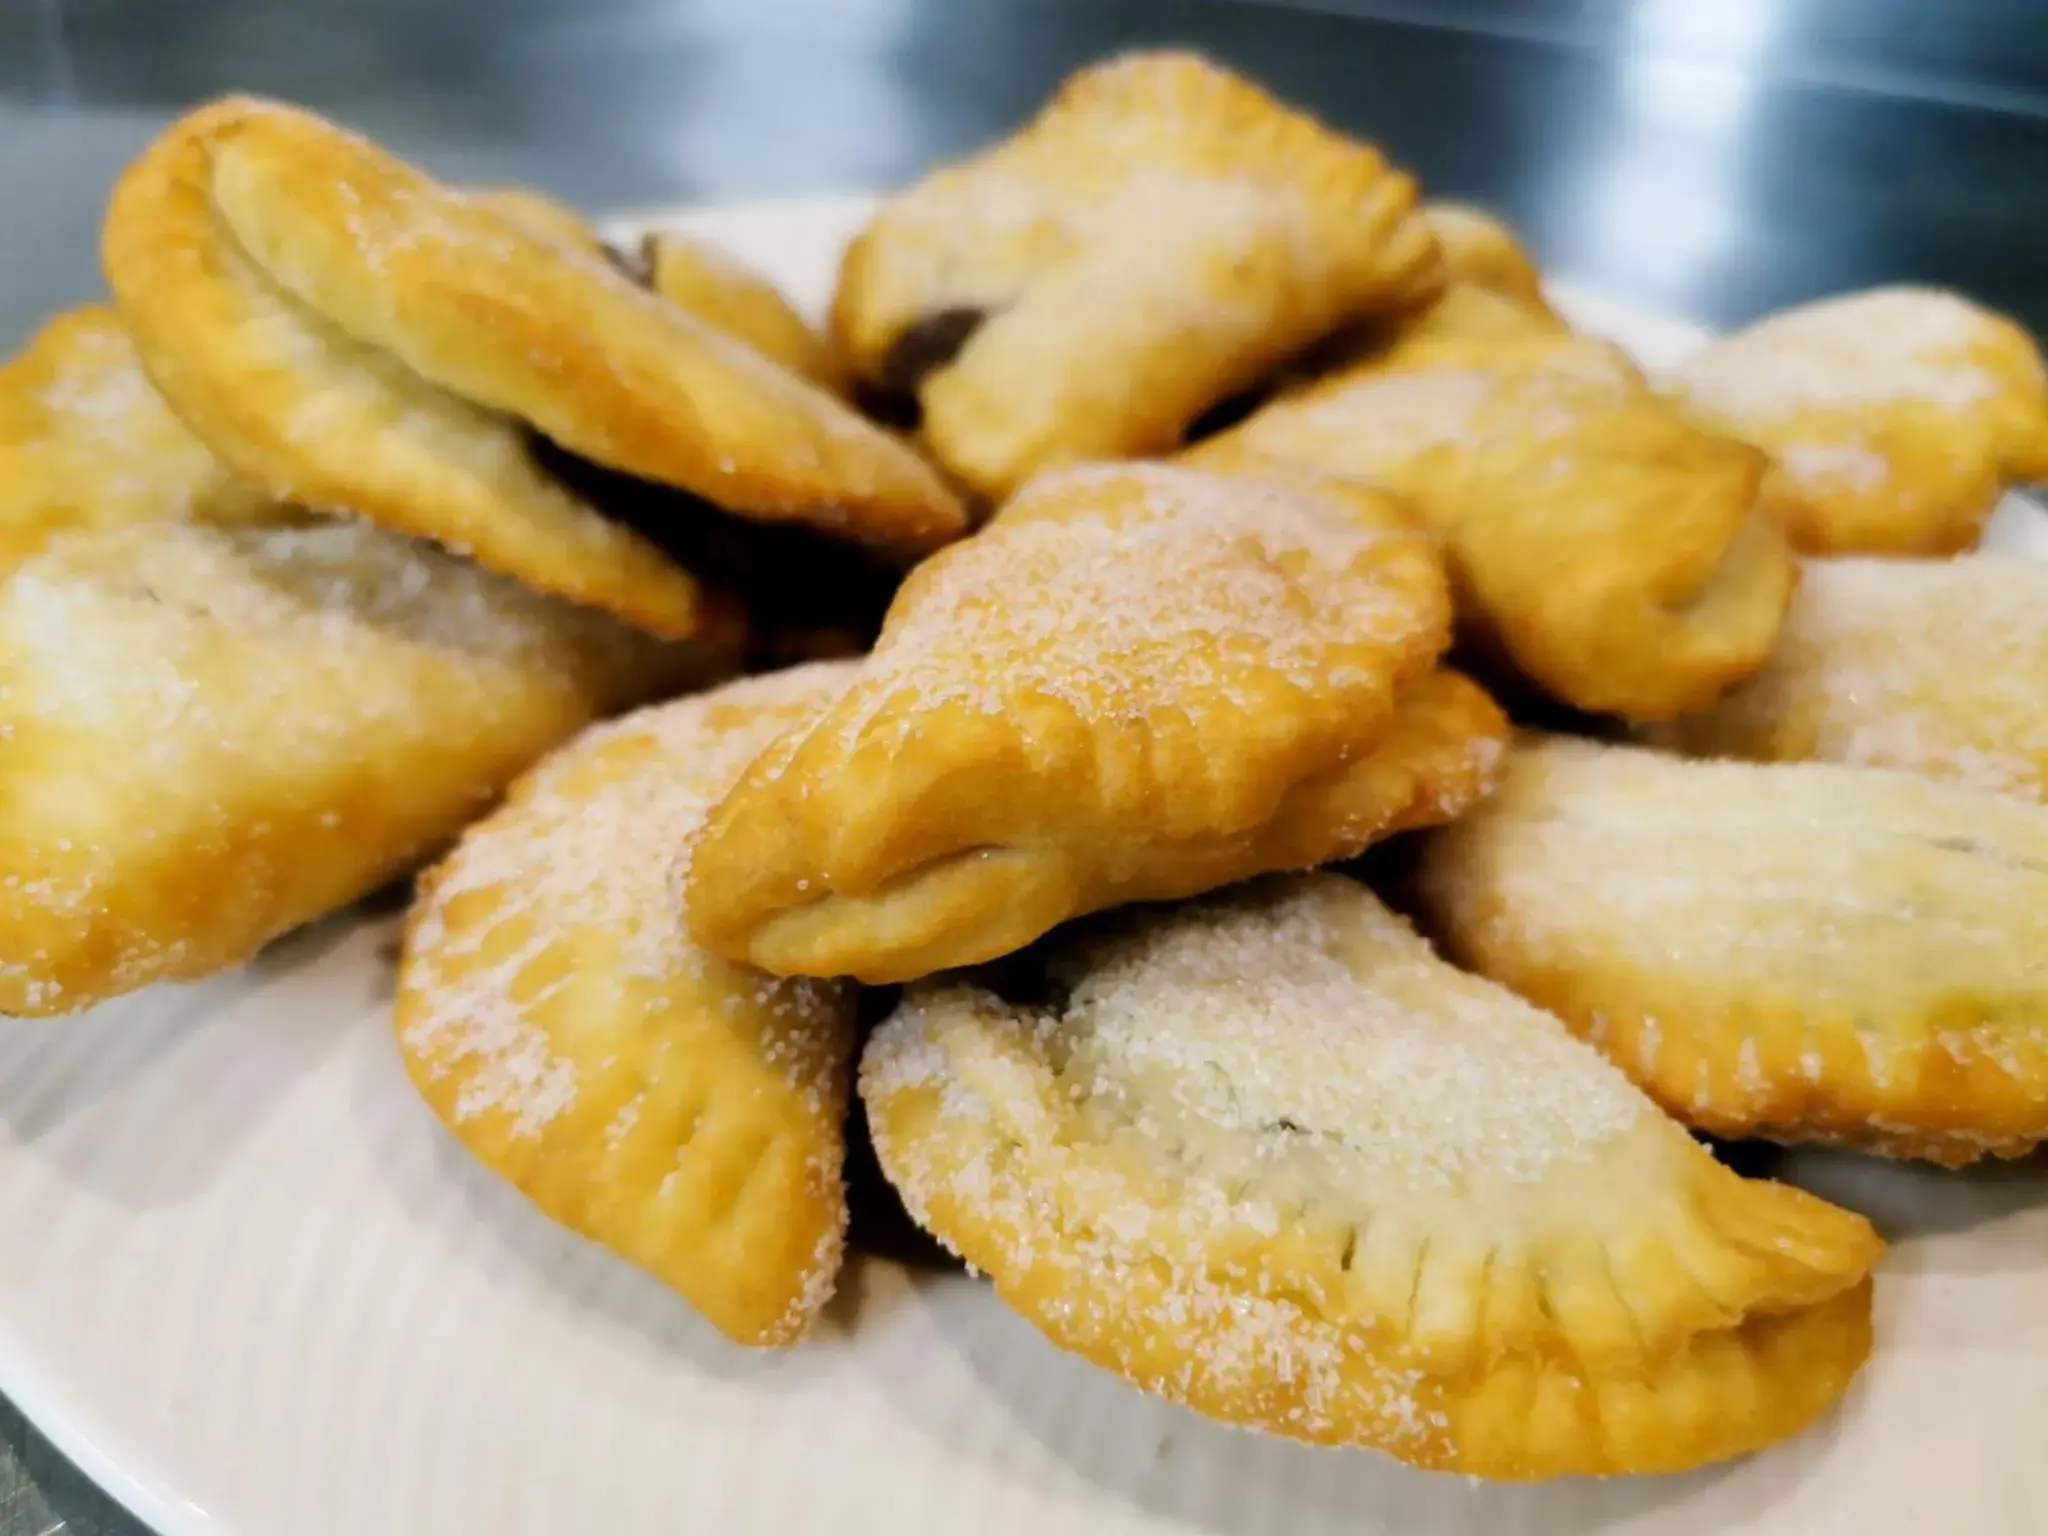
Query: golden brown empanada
{"points": [[352, 336], [1807, 953], [711, 285], [683, 1111], [1938, 667], [1894, 418], [209, 735], [1138, 682], [1267, 1156], [1161, 236], [539, 214], [86, 442], [1614, 554], [1481, 251]]}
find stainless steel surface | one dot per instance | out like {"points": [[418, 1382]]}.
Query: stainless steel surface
{"points": [[41, 1494], [1720, 157]]}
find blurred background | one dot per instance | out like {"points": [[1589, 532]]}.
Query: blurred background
{"points": [[1716, 157], [1721, 157]]}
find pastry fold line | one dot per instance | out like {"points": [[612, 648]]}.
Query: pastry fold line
{"points": [[354, 337], [1138, 682], [1266, 1156], [1808, 953], [685, 1112]]}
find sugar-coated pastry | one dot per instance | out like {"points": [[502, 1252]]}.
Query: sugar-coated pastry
{"points": [[1161, 236], [1462, 312], [1465, 310], [1938, 667], [86, 442], [354, 337], [715, 287], [1481, 251], [1894, 418], [1267, 1156], [539, 214], [740, 301], [1615, 555], [1138, 682], [1805, 952], [683, 1111], [210, 734]]}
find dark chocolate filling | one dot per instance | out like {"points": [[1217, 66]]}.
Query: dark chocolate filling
{"points": [[1318, 358], [930, 344], [637, 263], [1751, 1159], [1228, 412], [799, 584]]}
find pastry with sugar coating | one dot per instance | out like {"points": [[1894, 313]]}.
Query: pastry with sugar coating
{"points": [[718, 288], [1895, 418], [1464, 310], [683, 1111], [1613, 555], [86, 442], [1936, 667], [539, 214], [1161, 236], [211, 734], [352, 336], [1803, 953], [1138, 682], [1265, 1155]]}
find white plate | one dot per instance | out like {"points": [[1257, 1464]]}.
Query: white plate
{"points": [[248, 1284]]}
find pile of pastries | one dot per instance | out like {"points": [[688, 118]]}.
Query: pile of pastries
{"points": [[1018, 669]]}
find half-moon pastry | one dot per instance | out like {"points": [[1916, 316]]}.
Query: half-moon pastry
{"points": [[1613, 554], [1267, 1156], [211, 734], [1804, 953], [354, 337], [1161, 236], [1137, 682], [1938, 667], [86, 442], [685, 1112], [1894, 418]]}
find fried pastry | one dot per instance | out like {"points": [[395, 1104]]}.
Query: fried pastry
{"points": [[1480, 251], [1464, 311], [1160, 237], [1894, 418], [351, 336], [695, 274], [685, 1112], [1804, 953], [85, 442], [1136, 683], [539, 214], [1268, 1157], [740, 301], [711, 285], [209, 735], [1613, 554], [1937, 667]]}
